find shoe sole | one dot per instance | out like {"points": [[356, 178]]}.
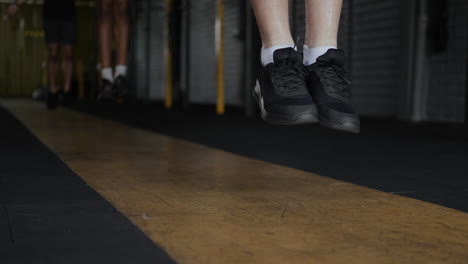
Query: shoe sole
{"points": [[308, 115], [349, 126]]}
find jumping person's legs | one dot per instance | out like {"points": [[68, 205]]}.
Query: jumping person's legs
{"points": [[120, 10], [67, 43], [280, 90], [327, 81], [67, 66], [52, 65], [52, 68], [273, 23], [122, 37], [323, 19], [59, 24], [105, 32]]}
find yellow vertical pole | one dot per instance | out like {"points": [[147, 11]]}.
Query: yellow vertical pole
{"points": [[168, 101], [220, 107]]}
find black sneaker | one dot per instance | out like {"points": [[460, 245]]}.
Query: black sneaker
{"points": [[106, 91], [52, 100], [281, 90], [121, 87], [329, 87]]}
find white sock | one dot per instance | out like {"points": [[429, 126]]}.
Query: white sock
{"points": [[120, 70], [311, 54], [267, 54], [106, 73]]}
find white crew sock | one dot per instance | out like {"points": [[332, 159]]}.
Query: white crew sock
{"points": [[120, 70], [267, 54], [106, 73], [311, 54]]}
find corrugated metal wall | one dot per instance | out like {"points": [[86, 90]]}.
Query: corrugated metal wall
{"points": [[139, 49], [202, 51], [447, 70], [149, 46], [376, 54], [158, 42], [233, 51]]}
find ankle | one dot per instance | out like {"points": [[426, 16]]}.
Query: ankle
{"points": [[266, 54], [106, 74], [311, 54], [120, 70]]}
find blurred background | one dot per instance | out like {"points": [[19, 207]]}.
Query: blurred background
{"points": [[407, 59]]}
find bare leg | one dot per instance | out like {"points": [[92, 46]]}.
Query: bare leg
{"points": [[67, 66], [52, 64], [323, 18], [283, 98], [273, 21], [122, 30], [105, 31]]}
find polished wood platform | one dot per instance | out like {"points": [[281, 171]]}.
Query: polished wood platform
{"points": [[204, 205]]}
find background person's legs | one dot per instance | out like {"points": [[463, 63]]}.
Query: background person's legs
{"points": [[323, 19], [52, 66], [120, 9], [273, 22], [67, 66], [105, 33]]}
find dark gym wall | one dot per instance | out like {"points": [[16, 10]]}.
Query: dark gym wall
{"points": [[203, 57], [158, 42], [447, 68], [202, 77], [139, 48], [375, 56], [233, 51], [23, 53], [149, 49]]}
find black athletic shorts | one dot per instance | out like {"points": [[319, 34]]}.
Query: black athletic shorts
{"points": [[60, 31]]}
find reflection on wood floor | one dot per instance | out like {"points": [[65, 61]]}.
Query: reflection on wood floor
{"points": [[204, 205]]}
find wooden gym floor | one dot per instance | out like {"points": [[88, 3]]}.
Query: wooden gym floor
{"points": [[206, 205]]}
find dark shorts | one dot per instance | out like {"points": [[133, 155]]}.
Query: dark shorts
{"points": [[60, 31]]}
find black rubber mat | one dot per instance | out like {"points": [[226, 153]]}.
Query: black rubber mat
{"points": [[424, 161], [48, 214]]}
